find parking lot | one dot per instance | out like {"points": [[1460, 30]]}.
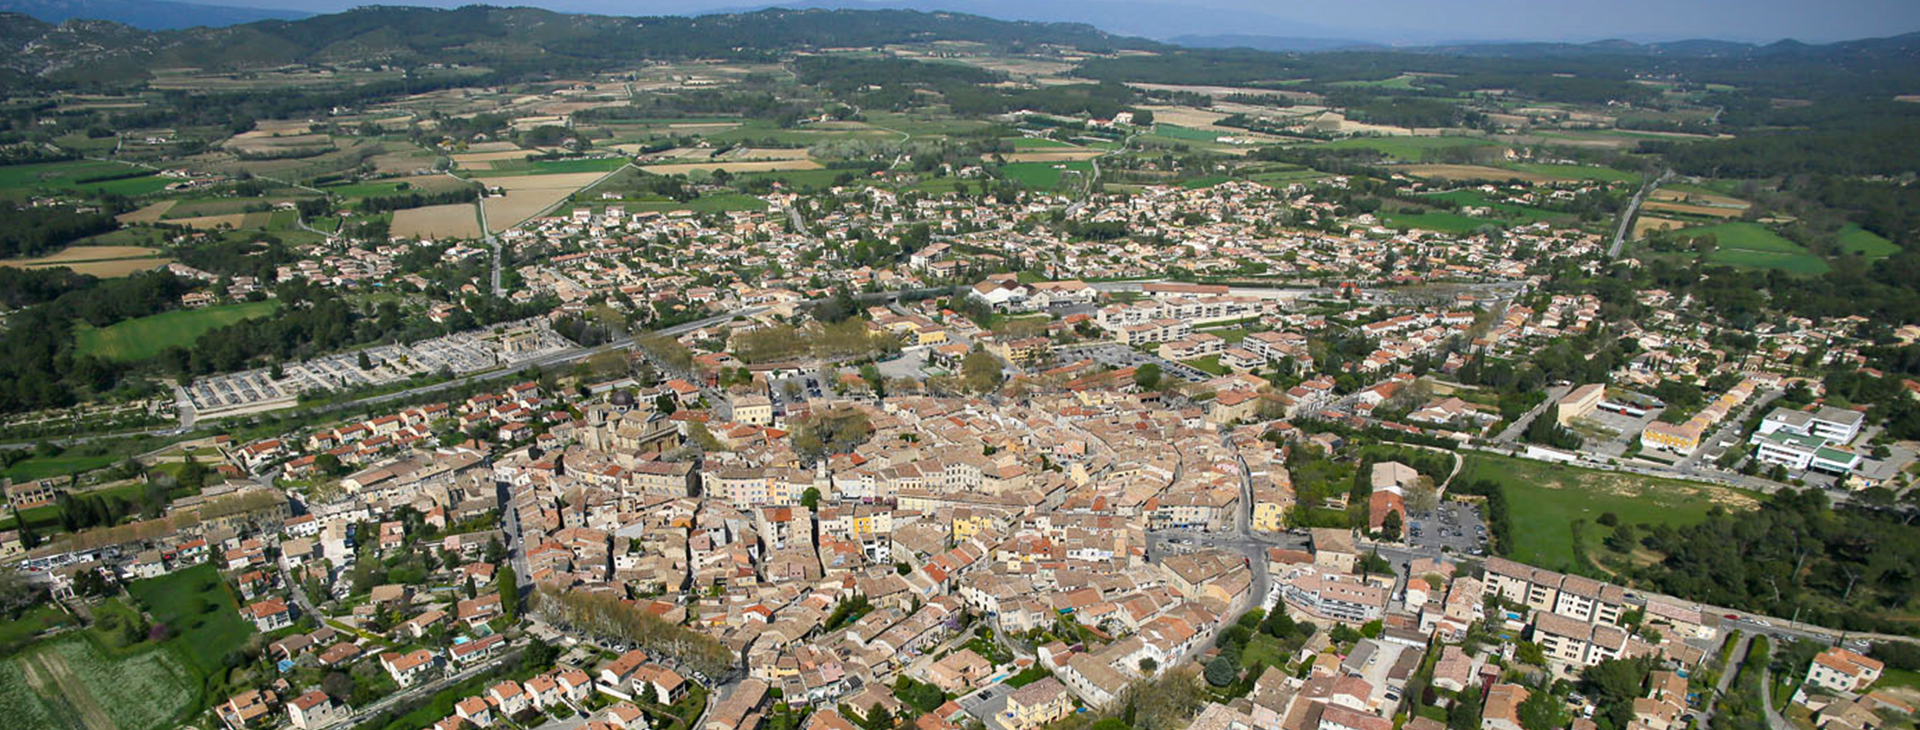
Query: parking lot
{"points": [[987, 705], [1121, 356], [459, 353], [1453, 526]]}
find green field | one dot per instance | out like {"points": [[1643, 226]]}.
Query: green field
{"points": [[1043, 175], [1545, 499], [1438, 221], [1184, 134], [42, 467], [139, 339], [1035, 142], [67, 176], [1854, 239], [1579, 172], [1752, 245], [81, 684], [201, 611], [1410, 149]]}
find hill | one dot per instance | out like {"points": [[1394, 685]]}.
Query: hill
{"points": [[145, 14]]}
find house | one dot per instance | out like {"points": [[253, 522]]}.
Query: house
{"points": [[249, 708], [474, 710], [315, 710], [1841, 670], [1501, 708], [510, 697], [270, 615], [1037, 704], [407, 668]]}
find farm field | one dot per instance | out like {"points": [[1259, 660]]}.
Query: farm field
{"points": [[139, 339], [1477, 172], [1755, 246], [81, 685], [682, 168], [1870, 245], [455, 220], [101, 261], [527, 195], [1059, 154], [1545, 499], [1409, 149]]}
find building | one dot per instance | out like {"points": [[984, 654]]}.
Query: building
{"points": [[1333, 549], [1580, 402], [315, 710], [1501, 708], [1834, 425], [1037, 704], [1801, 452], [1841, 670]]}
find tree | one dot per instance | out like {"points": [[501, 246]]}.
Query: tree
{"points": [[811, 498], [1147, 376], [1390, 526], [1465, 712], [509, 586], [1543, 710], [1221, 671], [470, 589], [980, 371], [495, 551], [1148, 666]]}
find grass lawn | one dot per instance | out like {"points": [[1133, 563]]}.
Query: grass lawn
{"points": [[1545, 499], [1893, 677], [35, 620], [1264, 649], [1210, 363], [1854, 239], [1043, 175], [1187, 134], [201, 611], [139, 339]]}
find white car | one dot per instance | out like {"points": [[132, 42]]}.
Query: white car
{"points": [[1757, 621]]}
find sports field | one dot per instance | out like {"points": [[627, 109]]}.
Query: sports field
{"points": [[1545, 499], [139, 339]]}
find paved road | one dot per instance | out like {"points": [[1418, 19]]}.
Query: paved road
{"points": [[1626, 219]]}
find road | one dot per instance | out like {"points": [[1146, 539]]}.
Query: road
{"points": [[1626, 218]]}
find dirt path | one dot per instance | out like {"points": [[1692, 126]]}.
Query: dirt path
{"points": [[51, 678]]}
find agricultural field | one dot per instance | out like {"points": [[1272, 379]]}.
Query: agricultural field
{"points": [[1869, 245], [1408, 148], [1545, 499], [101, 261], [1753, 245], [78, 680], [456, 220], [17, 181], [682, 168], [139, 339], [528, 195]]}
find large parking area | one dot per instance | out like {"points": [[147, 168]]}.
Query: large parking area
{"points": [[1452, 526], [1121, 356], [459, 353]]}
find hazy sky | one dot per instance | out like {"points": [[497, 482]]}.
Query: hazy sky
{"points": [[1373, 20]]}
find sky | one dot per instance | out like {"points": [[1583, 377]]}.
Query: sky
{"points": [[1383, 21]]}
